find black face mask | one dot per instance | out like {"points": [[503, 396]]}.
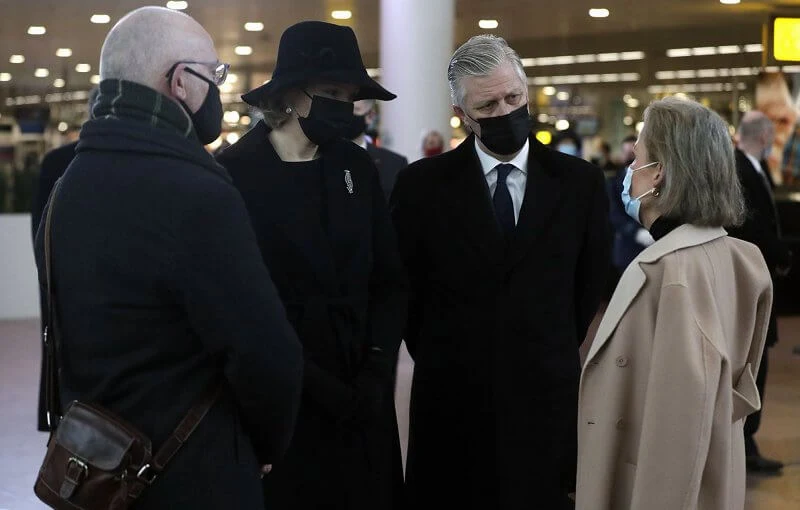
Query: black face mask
{"points": [[506, 134], [207, 120], [327, 120], [356, 128]]}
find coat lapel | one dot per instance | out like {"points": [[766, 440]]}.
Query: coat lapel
{"points": [[633, 279], [542, 195], [468, 202]]}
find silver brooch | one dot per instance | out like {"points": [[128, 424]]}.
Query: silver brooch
{"points": [[348, 182]]}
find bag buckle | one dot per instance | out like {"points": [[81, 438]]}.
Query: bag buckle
{"points": [[147, 474], [77, 471]]}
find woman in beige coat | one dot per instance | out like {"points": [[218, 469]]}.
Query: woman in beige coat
{"points": [[669, 378]]}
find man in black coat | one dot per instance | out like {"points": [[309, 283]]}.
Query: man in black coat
{"points": [[762, 228], [387, 162], [507, 246], [161, 289]]}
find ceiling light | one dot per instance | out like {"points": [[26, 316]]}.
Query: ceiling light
{"points": [[586, 59], [687, 74], [62, 127], [231, 117], [703, 51], [543, 118], [245, 120], [226, 88], [679, 52], [729, 2], [707, 73], [628, 120], [630, 77], [753, 48], [728, 50], [608, 57], [95, 79], [599, 13], [232, 138], [254, 26], [455, 122], [177, 5], [36, 30], [100, 19], [609, 78], [632, 55], [562, 96], [16, 59], [5, 76], [243, 50], [591, 78], [562, 125], [83, 68], [488, 24], [41, 73], [665, 75], [59, 83], [342, 14], [63, 52], [549, 91]]}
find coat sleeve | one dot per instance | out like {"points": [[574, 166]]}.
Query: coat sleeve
{"points": [[404, 210], [757, 227], [682, 391], [594, 259], [388, 292], [232, 304]]}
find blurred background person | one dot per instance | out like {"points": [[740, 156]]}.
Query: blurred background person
{"points": [[320, 217], [630, 237], [670, 375], [773, 98], [387, 162], [761, 227], [567, 142], [432, 143]]}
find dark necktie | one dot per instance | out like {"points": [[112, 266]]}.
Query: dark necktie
{"points": [[503, 205]]}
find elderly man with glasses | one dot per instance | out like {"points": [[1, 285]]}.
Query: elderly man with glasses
{"points": [[160, 285]]}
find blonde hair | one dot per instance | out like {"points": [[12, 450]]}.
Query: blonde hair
{"points": [[693, 146]]}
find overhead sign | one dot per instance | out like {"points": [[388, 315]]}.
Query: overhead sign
{"points": [[786, 39]]}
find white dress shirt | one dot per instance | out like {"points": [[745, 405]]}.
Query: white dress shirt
{"points": [[516, 181]]}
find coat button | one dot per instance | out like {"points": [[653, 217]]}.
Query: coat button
{"points": [[620, 424], [622, 361]]}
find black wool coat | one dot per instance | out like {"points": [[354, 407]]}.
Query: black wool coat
{"points": [[494, 327], [342, 281], [162, 292]]}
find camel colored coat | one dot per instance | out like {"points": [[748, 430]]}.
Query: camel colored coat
{"points": [[670, 378]]}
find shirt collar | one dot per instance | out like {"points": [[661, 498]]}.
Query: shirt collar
{"points": [[756, 163], [489, 162]]}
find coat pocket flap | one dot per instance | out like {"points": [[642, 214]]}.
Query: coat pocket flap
{"points": [[745, 395]]}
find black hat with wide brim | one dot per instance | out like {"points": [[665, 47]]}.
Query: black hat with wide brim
{"points": [[318, 51]]}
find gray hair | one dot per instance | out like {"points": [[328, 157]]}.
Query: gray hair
{"points": [[753, 126], [695, 150], [479, 56], [146, 42]]}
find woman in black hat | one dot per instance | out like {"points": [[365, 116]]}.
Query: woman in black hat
{"points": [[320, 217]]}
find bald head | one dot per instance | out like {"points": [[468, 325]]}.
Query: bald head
{"points": [[756, 132], [144, 44]]}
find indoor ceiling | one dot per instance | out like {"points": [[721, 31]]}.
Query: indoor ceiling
{"points": [[536, 28]]}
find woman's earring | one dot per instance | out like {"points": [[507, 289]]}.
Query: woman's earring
{"points": [[288, 109], [656, 192]]}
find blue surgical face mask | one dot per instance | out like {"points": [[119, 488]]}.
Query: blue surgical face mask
{"points": [[632, 205], [568, 149]]}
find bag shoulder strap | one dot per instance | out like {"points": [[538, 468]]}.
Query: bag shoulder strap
{"points": [[51, 335]]}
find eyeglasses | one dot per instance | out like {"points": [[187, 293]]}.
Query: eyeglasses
{"points": [[218, 70]]}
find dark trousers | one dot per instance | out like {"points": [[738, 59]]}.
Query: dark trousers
{"points": [[753, 421]]}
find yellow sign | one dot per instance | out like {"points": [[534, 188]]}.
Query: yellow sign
{"points": [[786, 39]]}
